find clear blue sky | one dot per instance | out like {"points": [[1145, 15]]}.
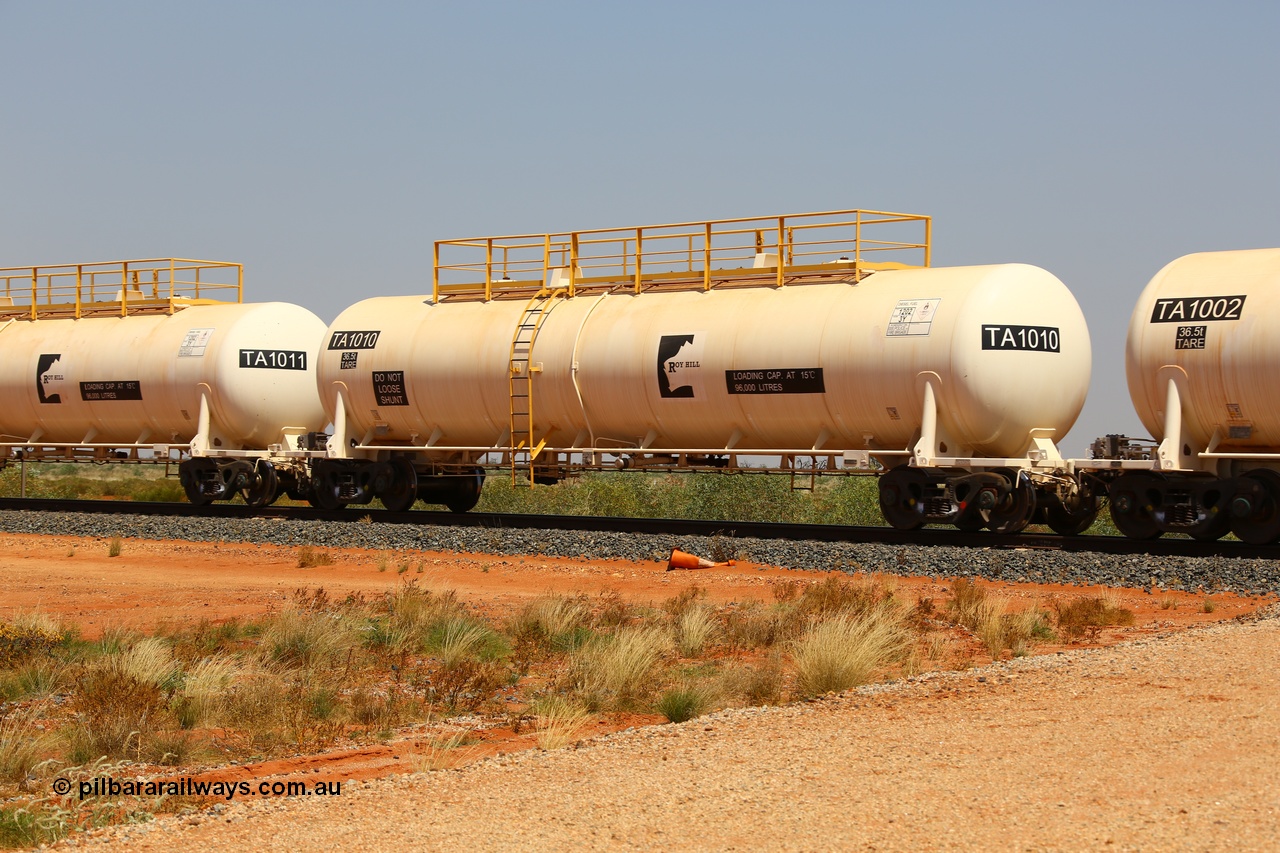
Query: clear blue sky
{"points": [[325, 145]]}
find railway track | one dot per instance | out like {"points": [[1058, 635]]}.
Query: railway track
{"points": [[1170, 547]]}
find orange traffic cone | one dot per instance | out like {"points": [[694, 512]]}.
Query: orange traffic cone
{"points": [[681, 560]]}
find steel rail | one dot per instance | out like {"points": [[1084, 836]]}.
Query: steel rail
{"points": [[927, 537]]}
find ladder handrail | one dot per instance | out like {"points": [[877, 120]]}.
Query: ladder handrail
{"points": [[538, 308]]}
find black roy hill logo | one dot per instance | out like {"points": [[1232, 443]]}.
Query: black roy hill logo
{"points": [[354, 340], [1188, 309], [1028, 338]]}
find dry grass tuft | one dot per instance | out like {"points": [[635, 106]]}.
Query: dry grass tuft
{"points": [[557, 721], [694, 629], [1085, 617], [309, 558], [614, 670], [205, 688], [841, 652], [754, 626], [553, 623], [150, 661], [760, 684], [307, 639], [442, 753], [21, 744], [988, 618]]}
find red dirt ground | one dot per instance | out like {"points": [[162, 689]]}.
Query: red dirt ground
{"points": [[153, 584]]}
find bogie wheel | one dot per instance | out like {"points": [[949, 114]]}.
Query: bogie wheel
{"points": [[467, 493], [1071, 518], [403, 491], [1132, 510], [1015, 510], [192, 474], [324, 490], [901, 497], [264, 488], [1262, 525]]}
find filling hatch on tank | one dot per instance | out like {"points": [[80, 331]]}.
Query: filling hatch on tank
{"points": [[680, 365], [388, 388], [194, 343], [911, 317], [785, 380]]}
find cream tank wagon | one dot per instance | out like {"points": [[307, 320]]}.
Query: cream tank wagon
{"points": [[1201, 357], [818, 337], [155, 361]]}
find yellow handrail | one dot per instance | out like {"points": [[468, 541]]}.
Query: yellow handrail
{"points": [[117, 288], [700, 253]]}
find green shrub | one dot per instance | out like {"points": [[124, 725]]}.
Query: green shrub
{"points": [[684, 703]]}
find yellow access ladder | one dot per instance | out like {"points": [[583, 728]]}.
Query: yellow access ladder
{"points": [[520, 385]]}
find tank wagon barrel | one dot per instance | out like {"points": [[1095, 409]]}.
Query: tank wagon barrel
{"points": [[159, 359], [694, 344]]}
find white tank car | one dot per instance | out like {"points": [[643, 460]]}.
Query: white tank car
{"points": [[231, 384], [930, 370], [140, 380], [838, 365], [1201, 358]]}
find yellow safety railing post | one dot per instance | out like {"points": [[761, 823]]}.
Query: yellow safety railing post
{"points": [[857, 238], [488, 269], [546, 261], [706, 257], [35, 294], [928, 240], [79, 274], [435, 272], [639, 253], [782, 226], [573, 262], [124, 289]]}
